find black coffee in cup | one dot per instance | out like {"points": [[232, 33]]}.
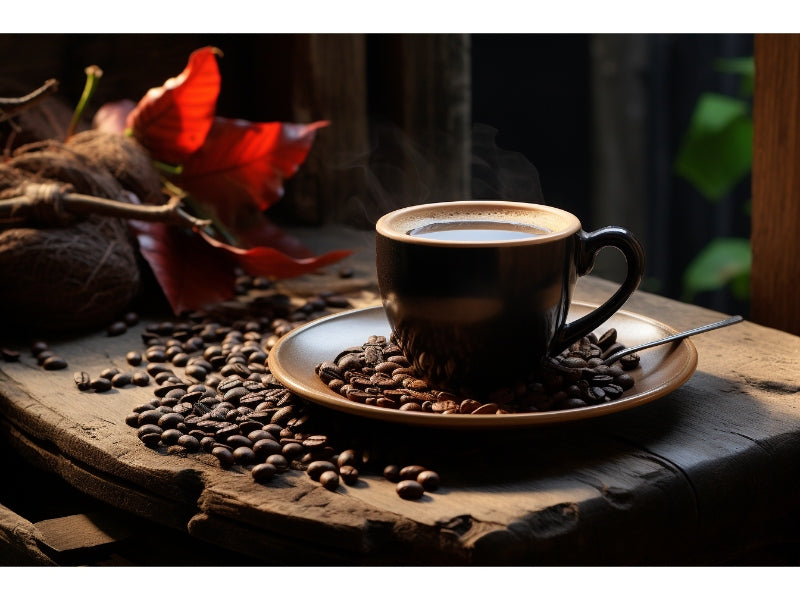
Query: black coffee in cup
{"points": [[476, 231], [477, 292]]}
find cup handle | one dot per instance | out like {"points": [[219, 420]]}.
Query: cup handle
{"points": [[588, 245]]}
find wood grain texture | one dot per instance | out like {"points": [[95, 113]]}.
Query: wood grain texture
{"points": [[697, 477], [776, 182], [20, 541]]}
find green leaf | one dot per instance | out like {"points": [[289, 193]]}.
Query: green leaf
{"points": [[717, 150], [723, 261], [744, 66]]}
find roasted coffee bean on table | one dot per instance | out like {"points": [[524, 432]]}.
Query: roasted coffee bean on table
{"points": [[214, 393], [378, 374], [216, 396]]}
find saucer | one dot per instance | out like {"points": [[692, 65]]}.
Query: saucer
{"points": [[292, 360]]}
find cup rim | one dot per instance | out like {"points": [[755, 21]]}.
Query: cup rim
{"points": [[390, 224]]}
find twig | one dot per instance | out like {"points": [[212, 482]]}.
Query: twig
{"points": [[11, 106], [46, 201]]}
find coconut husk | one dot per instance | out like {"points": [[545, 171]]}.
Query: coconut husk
{"points": [[124, 159], [79, 273], [58, 279]]}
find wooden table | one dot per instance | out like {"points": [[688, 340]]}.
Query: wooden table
{"points": [[709, 474]]}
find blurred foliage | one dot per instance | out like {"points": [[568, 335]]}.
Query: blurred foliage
{"points": [[716, 154]]}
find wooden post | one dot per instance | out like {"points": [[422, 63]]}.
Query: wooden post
{"points": [[330, 82], [776, 183]]}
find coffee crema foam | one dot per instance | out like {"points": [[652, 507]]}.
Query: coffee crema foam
{"points": [[419, 222]]}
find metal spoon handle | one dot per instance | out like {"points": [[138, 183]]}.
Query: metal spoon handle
{"points": [[672, 338]]}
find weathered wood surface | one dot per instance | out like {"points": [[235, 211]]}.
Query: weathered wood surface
{"points": [[698, 477]]}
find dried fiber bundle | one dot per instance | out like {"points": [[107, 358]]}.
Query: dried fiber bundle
{"points": [[63, 278], [124, 159], [59, 271]]}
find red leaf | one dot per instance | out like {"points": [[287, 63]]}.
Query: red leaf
{"points": [[246, 163], [191, 273], [265, 233], [195, 271], [273, 263], [172, 121]]}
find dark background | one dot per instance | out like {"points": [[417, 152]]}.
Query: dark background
{"points": [[531, 94]]}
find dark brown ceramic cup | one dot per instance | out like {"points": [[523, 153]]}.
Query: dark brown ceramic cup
{"points": [[477, 292]]}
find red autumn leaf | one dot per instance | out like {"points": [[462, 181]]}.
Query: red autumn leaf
{"points": [[233, 171], [194, 270], [263, 260], [245, 163], [248, 227], [172, 121], [191, 273]]}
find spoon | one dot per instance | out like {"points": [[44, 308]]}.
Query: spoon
{"points": [[672, 338]]}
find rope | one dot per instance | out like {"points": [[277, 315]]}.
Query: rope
{"points": [[47, 201]]}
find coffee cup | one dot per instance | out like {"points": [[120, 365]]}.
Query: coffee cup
{"points": [[477, 292]]}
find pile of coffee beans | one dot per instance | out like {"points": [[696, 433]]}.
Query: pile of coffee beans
{"points": [[378, 374], [46, 358], [215, 394]]}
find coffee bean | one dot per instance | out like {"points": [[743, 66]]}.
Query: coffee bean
{"points": [[347, 458], [410, 471], [190, 443], [266, 447], [170, 420], [148, 428], [625, 381], [140, 378], [237, 440], [329, 480], [131, 318], [278, 461], [169, 437], [292, 450], [318, 467], [223, 455], [100, 384], [121, 380], [54, 363], [151, 440], [259, 434], [629, 362], [349, 474], [150, 416], [570, 403], [315, 441], [244, 455], [429, 480], [335, 301], [409, 489], [39, 346], [263, 472], [221, 434], [109, 372], [82, 380], [117, 328], [392, 473]]}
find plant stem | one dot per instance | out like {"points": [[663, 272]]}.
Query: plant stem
{"points": [[93, 75], [217, 228]]}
